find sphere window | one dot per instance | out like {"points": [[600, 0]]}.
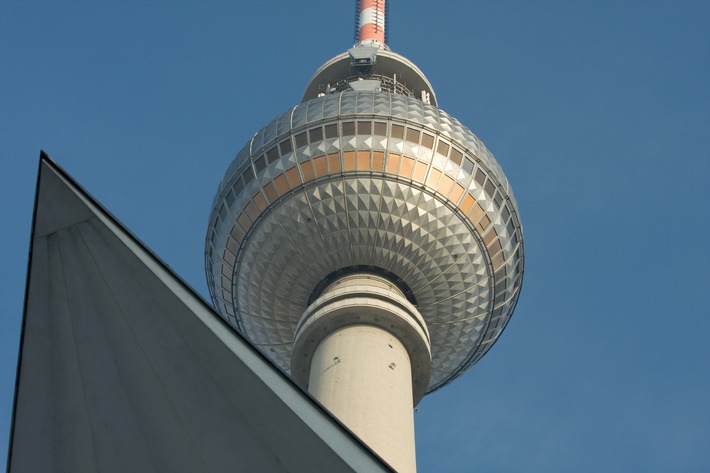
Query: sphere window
{"points": [[334, 162], [456, 156], [442, 148], [238, 186], [260, 164], [248, 176], [510, 229], [331, 131], [236, 234], [407, 167], [230, 197], [315, 135], [506, 213], [427, 140], [364, 128], [489, 188], [480, 177], [468, 165], [301, 140], [398, 131], [272, 155], [413, 135], [285, 147]]}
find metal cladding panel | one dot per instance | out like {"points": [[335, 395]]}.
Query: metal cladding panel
{"points": [[378, 180], [348, 102], [300, 115]]}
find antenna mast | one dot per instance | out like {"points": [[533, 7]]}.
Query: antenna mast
{"points": [[371, 21]]}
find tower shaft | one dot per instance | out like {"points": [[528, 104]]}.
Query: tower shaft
{"points": [[363, 351], [362, 374]]}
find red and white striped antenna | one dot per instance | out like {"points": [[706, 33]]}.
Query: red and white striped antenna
{"points": [[371, 21]]}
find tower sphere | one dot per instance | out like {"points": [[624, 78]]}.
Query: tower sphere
{"points": [[367, 175]]}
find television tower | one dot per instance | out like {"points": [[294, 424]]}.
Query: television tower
{"points": [[367, 241]]}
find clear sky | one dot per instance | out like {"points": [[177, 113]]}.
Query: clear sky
{"points": [[598, 111]]}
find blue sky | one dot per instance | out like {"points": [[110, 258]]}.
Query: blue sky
{"points": [[599, 113]]}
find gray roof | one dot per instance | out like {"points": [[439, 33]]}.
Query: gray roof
{"points": [[123, 367]]}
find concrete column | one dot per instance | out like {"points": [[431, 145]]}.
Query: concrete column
{"points": [[362, 374], [363, 351]]}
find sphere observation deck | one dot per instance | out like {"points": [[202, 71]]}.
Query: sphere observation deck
{"points": [[359, 178]]}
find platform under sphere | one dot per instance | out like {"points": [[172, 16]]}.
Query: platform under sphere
{"points": [[374, 181]]}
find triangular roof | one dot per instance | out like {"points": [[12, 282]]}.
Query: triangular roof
{"points": [[123, 367]]}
